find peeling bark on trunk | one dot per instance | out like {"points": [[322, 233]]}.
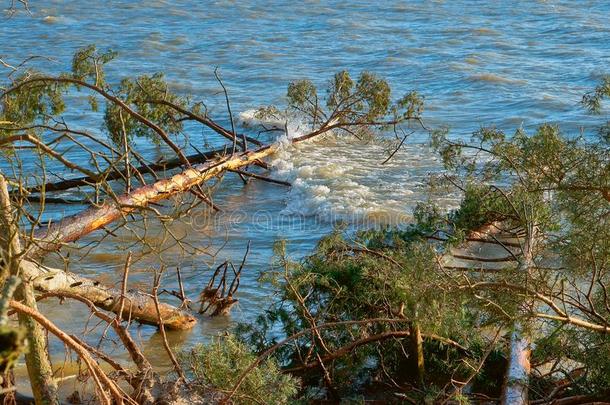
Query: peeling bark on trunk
{"points": [[76, 226], [73, 227], [137, 306]]}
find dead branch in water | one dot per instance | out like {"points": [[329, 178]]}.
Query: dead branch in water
{"points": [[140, 107], [169, 351], [76, 226], [259, 177], [218, 297]]}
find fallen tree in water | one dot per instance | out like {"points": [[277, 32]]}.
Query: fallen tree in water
{"points": [[395, 308], [122, 187], [74, 227], [133, 305], [69, 229], [517, 276]]}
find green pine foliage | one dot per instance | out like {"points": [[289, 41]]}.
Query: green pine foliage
{"points": [[217, 366]]}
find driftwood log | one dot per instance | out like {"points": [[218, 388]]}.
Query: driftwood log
{"points": [[73, 227], [137, 305]]}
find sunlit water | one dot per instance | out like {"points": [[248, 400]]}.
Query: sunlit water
{"points": [[511, 64]]}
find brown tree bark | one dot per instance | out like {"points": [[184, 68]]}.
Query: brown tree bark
{"points": [[37, 359], [76, 226], [417, 352]]}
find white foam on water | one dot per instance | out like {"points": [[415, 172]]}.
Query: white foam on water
{"points": [[338, 178]]}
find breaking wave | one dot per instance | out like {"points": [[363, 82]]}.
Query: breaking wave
{"points": [[336, 178]]}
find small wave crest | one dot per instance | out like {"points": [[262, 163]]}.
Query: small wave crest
{"points": [[494, 78]]}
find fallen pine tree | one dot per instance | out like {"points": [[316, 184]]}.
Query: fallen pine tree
{"points": [[72, 228], [492, 282], [144, 107]]}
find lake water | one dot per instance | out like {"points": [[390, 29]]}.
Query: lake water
{"points": [[510, 64]]}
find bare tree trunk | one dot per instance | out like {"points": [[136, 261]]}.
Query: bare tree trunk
{"points": [[74, 227], [517, 376], [417, 352], [137, 306], [37, 357], [89, 181], [515, 390], [515, 250], [13, 343], [101, 380]]}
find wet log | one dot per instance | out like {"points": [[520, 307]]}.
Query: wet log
{"points": [[140, 307], [263, 178], [71, 228], [137, 306]]}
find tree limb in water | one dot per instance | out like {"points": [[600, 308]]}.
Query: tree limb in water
{"points": [[73, 227], [137, 305], [116, 175]]}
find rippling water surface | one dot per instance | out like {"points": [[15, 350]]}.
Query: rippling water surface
{"points": [[512, 64]]}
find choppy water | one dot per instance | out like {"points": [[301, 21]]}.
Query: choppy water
{"points": [[511, 64]]}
